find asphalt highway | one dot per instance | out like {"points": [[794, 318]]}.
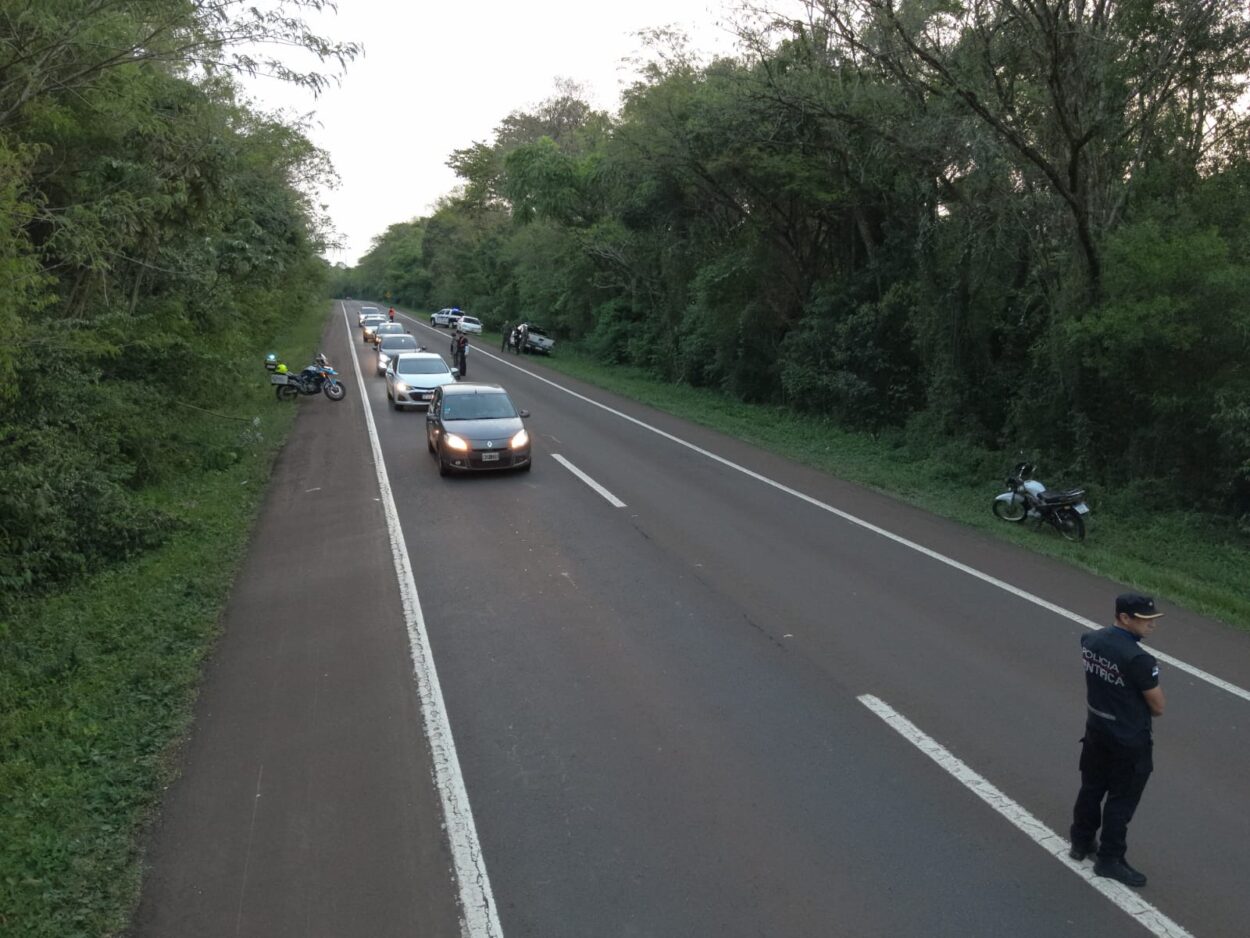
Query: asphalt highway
{"points": [[669, 707]]}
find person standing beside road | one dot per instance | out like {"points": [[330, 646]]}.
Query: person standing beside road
{"points": [[507, 331], [1123, 696], [462, 354]]}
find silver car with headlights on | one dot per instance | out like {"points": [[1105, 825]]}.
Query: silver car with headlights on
{"points": [[412, 378]]}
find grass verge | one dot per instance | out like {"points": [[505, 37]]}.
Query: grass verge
{"points": [[1189, 558], [97, 683]]}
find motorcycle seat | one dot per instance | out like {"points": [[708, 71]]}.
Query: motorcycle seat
{"points": [[1068, 495]]}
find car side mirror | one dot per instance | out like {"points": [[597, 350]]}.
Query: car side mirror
{"points": [[523, 413]]}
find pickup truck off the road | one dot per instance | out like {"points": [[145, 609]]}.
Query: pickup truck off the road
{"points": [[536, 340]]}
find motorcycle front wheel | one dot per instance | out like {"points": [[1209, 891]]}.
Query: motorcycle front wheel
{"points": [[335, 391], [287, 392], [1015, 511], [1069, 524]]}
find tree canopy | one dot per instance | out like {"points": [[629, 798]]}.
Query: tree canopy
{"points": [[152, 226]]}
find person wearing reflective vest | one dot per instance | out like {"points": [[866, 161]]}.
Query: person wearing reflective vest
{"points": [[1123, 697]]}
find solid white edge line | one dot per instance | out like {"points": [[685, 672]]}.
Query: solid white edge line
{"points": [[616, 502], [1130, 902], [480, 918], [890, 535]]}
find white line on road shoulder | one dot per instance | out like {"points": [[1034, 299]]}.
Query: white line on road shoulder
{"points": [[616, 502], [1142, 911], [477, 904], [890, 535]]}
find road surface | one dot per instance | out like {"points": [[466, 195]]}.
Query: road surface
{"points": [[691, 689]]}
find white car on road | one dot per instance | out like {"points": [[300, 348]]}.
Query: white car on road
{"points": [[411, 378], [365, 311], [469, 324]]}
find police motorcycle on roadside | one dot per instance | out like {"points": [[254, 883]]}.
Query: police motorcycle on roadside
{"points": [[1026, 497], [317, 378]]}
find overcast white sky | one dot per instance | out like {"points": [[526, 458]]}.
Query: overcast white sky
{"points": [[436, 76]]}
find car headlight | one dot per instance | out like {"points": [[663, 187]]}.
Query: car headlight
{"points": [[401, 387], [521, 438], [451, 441]]}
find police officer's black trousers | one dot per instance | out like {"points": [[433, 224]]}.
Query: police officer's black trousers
{"points": [[1119, 774]]}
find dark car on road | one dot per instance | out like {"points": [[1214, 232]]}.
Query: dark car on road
{"points": [[473, 427], [391, 345], [387, 328]]}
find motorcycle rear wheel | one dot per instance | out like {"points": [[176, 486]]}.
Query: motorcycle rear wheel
{"points": [[287, 392], [1070, 525], [1010, 511]]}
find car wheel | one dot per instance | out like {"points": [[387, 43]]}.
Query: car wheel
{"points": [[429, 443], [443, 468]]}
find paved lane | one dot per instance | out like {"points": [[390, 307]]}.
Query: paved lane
{"points": [[305, 805], [656, 705]]}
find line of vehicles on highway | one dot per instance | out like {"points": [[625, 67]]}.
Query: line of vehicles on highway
{"points": [[468, 426]]}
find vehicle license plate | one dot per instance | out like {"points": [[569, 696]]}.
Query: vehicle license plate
{"points": [[277, 379], [426, 396], [1081, 508], [490, 457]]}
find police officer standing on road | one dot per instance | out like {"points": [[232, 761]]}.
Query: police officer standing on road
{"points": [[507, 333], [461, 354], [1123, 696]]}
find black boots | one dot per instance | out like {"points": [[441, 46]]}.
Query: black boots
{"points": [[1117, 868], [1080, 851]]}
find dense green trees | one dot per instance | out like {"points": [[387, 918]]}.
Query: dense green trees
{"points": [[1020, 224], [152, 229]]}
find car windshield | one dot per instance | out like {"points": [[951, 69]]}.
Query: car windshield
{"points": [[396, 343], [534, 330], [373, 319], [477, 407], [469, 319], [367, 310], [421, 366], [391, 327]]}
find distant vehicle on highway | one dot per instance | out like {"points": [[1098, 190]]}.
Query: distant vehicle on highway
{"points": [[411, 378], [387, 328], [474, 427], [391, 345], [368, 324], [365, 311], [469, 324], [444, 317]]}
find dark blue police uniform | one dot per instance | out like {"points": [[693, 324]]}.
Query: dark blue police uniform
{"points": [[1116, 758]]}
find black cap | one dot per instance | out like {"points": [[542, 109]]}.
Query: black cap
{"points": [[1136, 605]]}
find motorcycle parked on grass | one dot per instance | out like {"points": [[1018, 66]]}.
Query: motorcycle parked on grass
{"points": [[317, 378], [1028, 498]]}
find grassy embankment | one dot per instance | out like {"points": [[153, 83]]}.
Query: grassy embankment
{"points": [[97, 683], [1188, 558]]}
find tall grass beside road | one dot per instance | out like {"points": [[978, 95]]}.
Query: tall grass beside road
{"points": [[97, 683], [1194, 560]]}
